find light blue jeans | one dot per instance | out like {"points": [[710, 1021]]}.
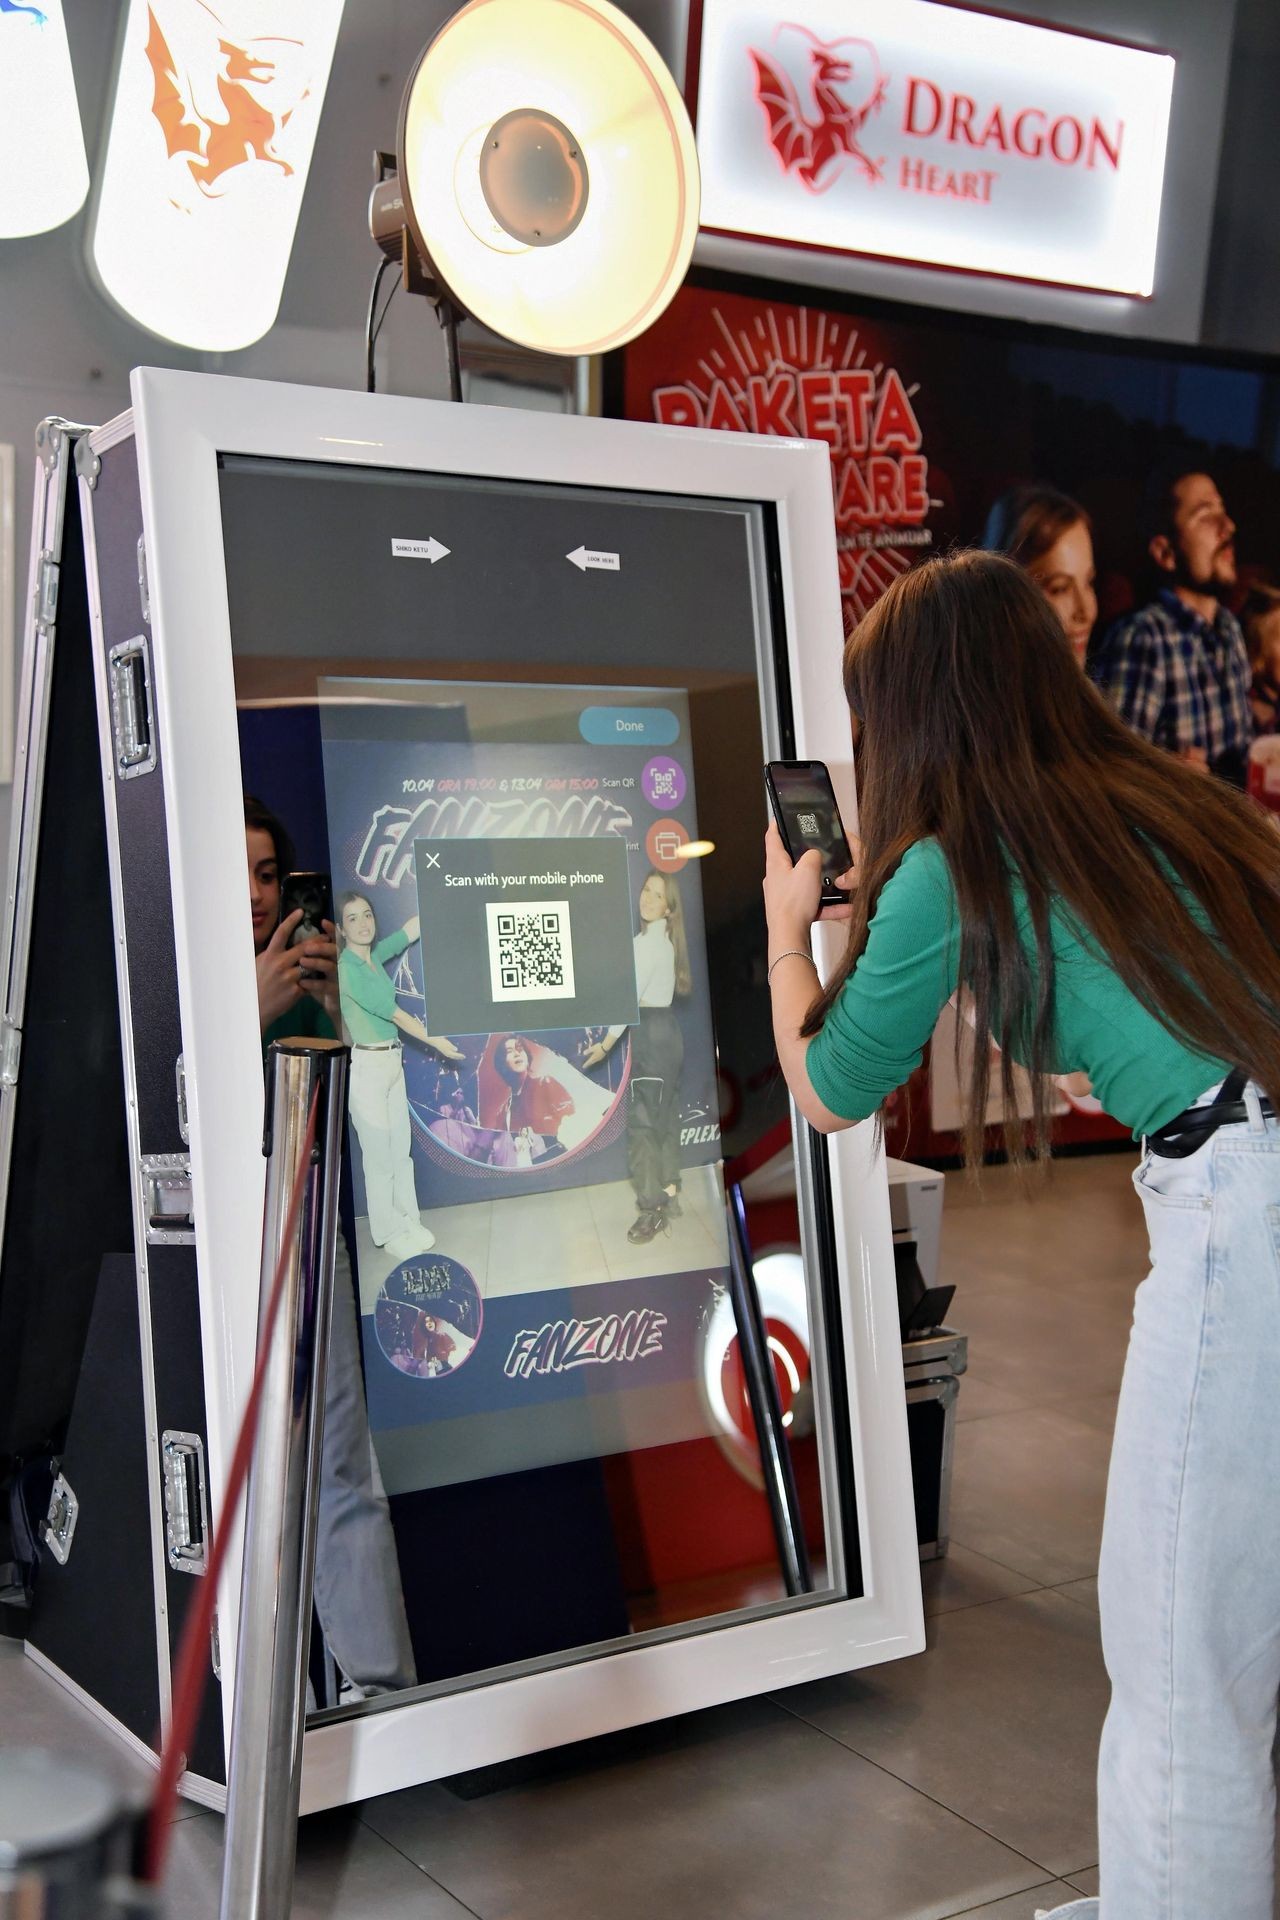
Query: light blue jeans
{"points": [[1189, 1581]]}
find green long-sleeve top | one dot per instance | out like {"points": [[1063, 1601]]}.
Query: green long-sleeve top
{"points": [[368, 995], [875, 1033]]}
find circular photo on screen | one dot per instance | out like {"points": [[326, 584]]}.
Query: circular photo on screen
{"points": [[429, 1317], [517, 1102]]}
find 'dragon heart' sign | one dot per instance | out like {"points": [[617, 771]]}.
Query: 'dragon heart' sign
{"points": [[927, 132], [744, 365]]}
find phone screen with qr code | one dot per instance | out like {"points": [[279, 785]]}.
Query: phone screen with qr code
{"points": [[804, 806]]}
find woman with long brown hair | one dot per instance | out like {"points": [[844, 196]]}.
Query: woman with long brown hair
{"points": [[1109, 911]]}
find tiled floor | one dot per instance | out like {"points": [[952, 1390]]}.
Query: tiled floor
{"points": [[545, 1240], [956, 1783]]}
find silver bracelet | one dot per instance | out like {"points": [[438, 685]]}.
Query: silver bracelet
{"points": [[792, 953]]}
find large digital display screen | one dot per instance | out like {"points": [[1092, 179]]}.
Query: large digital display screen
{"points": [[517, 868], [520, 727]]}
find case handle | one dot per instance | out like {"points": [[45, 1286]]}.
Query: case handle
{"points": [[132, 708]]}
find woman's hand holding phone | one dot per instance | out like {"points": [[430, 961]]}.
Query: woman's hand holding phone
{"points": [[318, 958], [279, 965], [793, 892], [286, 972], [792, 902], [846, 883], [803, 805]]}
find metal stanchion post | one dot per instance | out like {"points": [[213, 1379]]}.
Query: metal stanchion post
{"points": [[766, 1410], [280, 1520]]}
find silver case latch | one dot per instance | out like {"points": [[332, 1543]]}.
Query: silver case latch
{"points": [[180, 1088], [133, 724], [10, 1052], [144, 590], [168, 1205], [46, 594], [60, 1521], [186, 1506]]}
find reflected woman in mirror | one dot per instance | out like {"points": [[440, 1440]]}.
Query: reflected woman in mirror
{"points": [[657, 1056], [379, 1104]]}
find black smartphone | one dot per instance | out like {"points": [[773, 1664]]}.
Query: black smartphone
{"points": [[313, 892], [804, 806]]}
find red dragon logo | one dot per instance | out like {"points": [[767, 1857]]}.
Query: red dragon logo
{"points": [[251, 116], [815, 149]]}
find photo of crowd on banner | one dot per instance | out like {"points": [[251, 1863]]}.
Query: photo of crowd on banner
{"points": [[1139, 486], [1194, 665]]}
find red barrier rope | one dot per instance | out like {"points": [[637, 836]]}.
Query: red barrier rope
{"points": [[192, 1669]]}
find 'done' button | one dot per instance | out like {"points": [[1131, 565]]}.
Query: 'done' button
{"points": [[629, 726]]}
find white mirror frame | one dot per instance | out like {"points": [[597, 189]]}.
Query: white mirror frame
{"points": [[182, 423]]}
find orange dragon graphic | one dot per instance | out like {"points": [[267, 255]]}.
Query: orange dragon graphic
{"points": [[816, 149], [247, 129]]}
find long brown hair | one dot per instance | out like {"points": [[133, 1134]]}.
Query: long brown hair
{"points": [[1027, 522], [979, 730]]}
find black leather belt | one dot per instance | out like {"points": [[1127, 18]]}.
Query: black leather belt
{"points": [[1190, 1129]]}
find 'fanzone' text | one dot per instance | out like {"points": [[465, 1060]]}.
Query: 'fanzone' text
{"points": [[559, 1345]]}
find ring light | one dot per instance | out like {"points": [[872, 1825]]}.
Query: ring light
{"points": [[780, 1286], [547, 173]]}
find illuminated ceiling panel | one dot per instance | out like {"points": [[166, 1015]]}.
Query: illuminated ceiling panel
{"points": [[212, 129], [44, 176]]}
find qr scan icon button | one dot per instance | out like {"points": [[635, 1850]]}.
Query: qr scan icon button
{"points": [[530, 950]]}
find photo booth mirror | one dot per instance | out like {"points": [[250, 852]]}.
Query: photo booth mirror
{"points": [[501, 687]]}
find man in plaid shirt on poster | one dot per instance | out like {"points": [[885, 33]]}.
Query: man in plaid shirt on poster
{"points": [[1178, 669]]}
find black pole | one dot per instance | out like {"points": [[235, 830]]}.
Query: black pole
{"points": [[448, 316], [371, 326], [766, 1408]]}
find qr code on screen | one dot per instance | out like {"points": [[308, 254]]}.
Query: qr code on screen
{"points": [[530, 950], [809, 825]]}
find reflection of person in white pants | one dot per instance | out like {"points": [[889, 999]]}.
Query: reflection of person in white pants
{"points": [[379, 1105]]}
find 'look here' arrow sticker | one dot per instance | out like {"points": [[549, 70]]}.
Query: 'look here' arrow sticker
{"points": [[431, 550], [584, 557]]}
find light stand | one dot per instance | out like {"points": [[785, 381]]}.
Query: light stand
{"points": [[388, 227]]}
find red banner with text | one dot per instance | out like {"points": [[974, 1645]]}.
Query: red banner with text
{"points": [[728, 361]]}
